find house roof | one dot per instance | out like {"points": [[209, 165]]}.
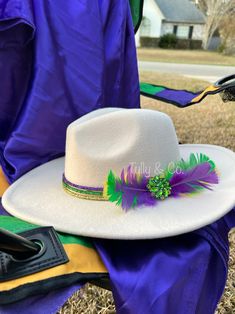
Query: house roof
{"points": [[180, 11]]}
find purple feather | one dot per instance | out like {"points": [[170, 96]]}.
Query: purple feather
{"points": [[134, 191], [193, 180]]}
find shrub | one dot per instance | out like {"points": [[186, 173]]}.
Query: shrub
{"points": [[221, 48], [168, 41]]}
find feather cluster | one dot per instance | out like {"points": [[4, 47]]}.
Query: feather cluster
{"points": [[129, 190], [186, 177]]}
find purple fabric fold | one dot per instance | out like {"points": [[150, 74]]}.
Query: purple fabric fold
{"points": [[14, 12], [16, 53], [62, 60], [177, 275]]}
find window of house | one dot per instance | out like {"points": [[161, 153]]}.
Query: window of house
{"points": [[145, 28], [190, 34], [183, 31], [175, 29]]}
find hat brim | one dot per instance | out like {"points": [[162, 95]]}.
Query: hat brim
{"points": [[38, 197]]}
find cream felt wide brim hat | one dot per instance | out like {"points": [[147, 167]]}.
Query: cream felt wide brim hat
{"points": [[111, 139]]}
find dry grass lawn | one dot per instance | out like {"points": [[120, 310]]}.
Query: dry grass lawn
{"points": [[212, 122], [184, 56]]}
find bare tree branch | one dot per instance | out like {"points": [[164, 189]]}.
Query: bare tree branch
{"points": [[214, 10], [227, 32]]}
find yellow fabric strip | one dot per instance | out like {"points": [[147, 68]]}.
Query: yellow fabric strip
{"points": [[3, 183], [81, 259], [211, 88]]}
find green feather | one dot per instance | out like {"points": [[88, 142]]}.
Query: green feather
{"points": [[135, 202], [168, 173], [114, 196], [194, 160]]}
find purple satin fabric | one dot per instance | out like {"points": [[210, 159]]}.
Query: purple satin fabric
{"points": [[58, 61], [178, 275]]}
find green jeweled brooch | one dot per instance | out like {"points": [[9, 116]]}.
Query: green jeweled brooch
{"points": [[159, 187]]}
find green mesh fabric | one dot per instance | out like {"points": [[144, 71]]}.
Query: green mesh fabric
{"points": [[136, 11]]}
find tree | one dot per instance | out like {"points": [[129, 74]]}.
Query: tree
{"points": [[214, 10], [227, 33]]}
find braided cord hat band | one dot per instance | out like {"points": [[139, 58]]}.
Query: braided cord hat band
{"points": [[84, 192]]}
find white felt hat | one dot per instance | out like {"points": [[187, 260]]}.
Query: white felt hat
{"points": [[111, 139]]}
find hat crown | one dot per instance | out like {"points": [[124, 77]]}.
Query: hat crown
{"points": [[113, 139]]}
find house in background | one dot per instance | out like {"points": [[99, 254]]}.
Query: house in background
{"points": [[179, 17]]}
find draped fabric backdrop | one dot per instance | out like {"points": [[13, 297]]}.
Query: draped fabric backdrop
{"points": [[58, 61]]}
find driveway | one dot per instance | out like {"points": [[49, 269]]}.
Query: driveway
{"points": [[209, 73]]}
